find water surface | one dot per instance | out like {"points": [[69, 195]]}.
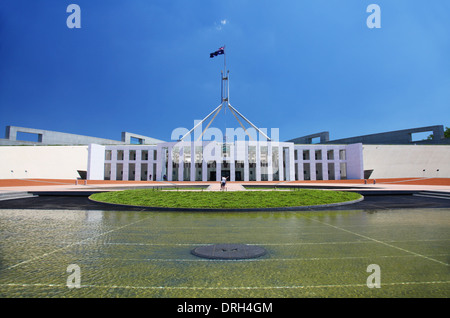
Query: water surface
{"points": [[148, 254]]}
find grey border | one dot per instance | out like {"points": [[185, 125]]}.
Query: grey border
{"points": [[274, 209]]}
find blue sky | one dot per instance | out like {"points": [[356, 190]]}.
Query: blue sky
{"points": [[143, 66]]}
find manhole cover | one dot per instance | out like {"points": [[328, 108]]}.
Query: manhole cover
{"points": [[229, 251]]}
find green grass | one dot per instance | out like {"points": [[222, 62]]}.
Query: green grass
{"points": [[224, 200]]}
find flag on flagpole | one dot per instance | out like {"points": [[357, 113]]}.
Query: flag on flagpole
{"points": [[220, 51]]}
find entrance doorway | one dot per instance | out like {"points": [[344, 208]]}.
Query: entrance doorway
{"points": [[226, 174]]}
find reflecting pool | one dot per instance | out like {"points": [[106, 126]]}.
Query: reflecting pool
{"points": [[148, 254]]}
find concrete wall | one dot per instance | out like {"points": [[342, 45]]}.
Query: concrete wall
{"points": [[142, 140], [49, 162], [323, 136], [48, 137], [398, 137], [403, 161]]}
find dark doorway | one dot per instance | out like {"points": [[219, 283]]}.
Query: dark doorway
{"points": [[226, 174]]}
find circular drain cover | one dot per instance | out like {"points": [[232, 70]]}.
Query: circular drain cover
{"points": [[229, 251]]}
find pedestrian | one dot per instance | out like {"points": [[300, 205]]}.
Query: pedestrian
{"points": [[223, 183]]}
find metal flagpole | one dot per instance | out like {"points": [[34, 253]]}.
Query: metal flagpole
{"points": [[224, 60], [225, 96], [198, 124], [243, 127], [212, 119], [226, 92], [248, 121]]}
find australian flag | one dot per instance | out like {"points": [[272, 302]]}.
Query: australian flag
{"points": [[218, 52]]}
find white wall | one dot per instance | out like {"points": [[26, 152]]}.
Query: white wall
{"points": [[62, 162], [47, 162], [404, 161], [355, 161], [96, 162]]}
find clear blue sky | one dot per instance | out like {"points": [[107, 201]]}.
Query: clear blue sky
{"points": [[143, 66]]}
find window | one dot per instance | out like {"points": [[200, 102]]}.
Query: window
{"points": [[343, 170], [27, 136], [318, 154], [107, 171], [330, 154], [421, 136], [144, 171], [119, 171], [136, 141], [305, 154]]}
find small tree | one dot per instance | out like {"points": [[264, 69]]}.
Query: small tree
{"points": [[447, 132]]}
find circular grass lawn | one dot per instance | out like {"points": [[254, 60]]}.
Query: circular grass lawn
{"points": [[224, 199]]}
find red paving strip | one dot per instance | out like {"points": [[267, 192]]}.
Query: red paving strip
{"points": [[49, 182], [33, 182]]}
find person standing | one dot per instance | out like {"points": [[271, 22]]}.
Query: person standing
{"points": [[223, 183]]}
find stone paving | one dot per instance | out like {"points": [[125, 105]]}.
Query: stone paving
{"points": [[229, 186]]}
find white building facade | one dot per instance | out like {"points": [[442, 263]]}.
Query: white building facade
{"points": [[239, 161]]}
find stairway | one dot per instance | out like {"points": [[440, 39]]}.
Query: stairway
{"points": [[433, 194], [15, 195], [228, 187]]}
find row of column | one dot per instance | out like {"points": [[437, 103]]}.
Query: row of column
{"points": [[288, 167], [126, 163], [237, 153], [312, 165]]}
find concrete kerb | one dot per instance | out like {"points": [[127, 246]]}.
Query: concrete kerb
{"points": [[365, 190], [274, 209]]}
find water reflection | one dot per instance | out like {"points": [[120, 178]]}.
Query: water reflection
{"points": [[147, 254]]}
